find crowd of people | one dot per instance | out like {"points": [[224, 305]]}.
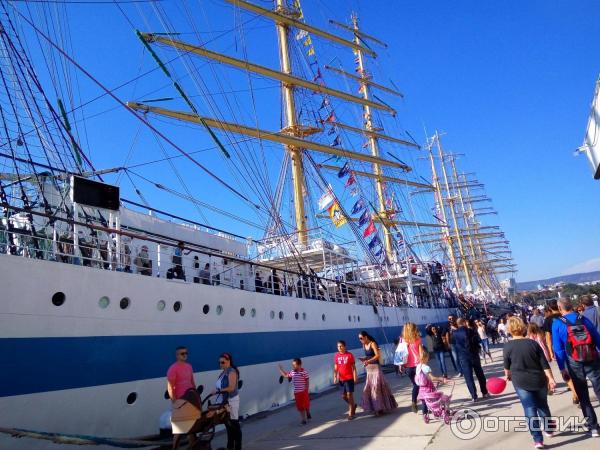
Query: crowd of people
{"points": [[562, 332]]}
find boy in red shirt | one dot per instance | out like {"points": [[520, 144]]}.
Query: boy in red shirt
{"points": [[344, 372], [299, 378]]}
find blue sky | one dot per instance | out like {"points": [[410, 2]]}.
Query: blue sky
{"points": [[509, 82]]}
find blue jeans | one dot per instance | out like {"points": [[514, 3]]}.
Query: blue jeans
{"points": [[441, 357], [470, 364], [537, 411], [578, 372], [455, 360], [485, 345], [412, 372]]}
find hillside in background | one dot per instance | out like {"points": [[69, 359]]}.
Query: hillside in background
{"points": [[573, 278]]}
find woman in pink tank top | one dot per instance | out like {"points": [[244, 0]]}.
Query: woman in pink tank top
{"points": [[410, 335]]}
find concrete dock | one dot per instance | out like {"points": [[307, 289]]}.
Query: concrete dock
{"points": [[330, 429]]}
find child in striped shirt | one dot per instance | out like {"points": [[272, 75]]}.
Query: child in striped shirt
{"points": [[299, 378]]}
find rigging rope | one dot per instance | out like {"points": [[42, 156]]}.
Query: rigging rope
{"points": [[136, 115]]}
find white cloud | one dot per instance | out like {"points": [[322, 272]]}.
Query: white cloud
{"points": [[586, 266]]}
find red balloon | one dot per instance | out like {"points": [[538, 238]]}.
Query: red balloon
{"points": [[496, 386]]}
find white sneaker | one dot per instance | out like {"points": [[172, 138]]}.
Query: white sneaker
{"points": [[594, 433]]}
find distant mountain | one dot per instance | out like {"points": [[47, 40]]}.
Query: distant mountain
{"points": [[573, 278]]}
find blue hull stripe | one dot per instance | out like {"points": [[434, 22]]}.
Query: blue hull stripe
{"points": [[50, 364]]}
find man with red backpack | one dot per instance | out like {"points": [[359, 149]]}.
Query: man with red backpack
{"points": [[576, 342]]}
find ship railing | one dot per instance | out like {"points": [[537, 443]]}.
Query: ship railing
{"points": [[144, 257]]}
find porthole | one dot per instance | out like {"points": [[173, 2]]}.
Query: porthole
{"points": [[323, 317], [280, 315], [131, 398], [124, 303], [58, 298], [253, 312], [272, 314], [359, 318], [303, 316], [349, 318], [161, 305], [219, 310], [104, 302], [242, 312], [205, 309], [166, 395], [177, 306], [297, 316]]}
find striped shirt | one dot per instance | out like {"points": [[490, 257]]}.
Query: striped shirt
{"points": [[299, 379]]}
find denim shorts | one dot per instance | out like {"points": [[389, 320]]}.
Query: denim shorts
{"points": [[347, 386]]}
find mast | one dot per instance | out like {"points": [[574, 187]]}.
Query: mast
{"points": [[468, 228], [291, 125], [438, 194], [486, 269], [450, 200], [373, 144]]}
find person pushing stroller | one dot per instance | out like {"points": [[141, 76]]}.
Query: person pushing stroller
{"points": [[432, 400]]}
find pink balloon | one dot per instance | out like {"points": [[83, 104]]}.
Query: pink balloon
{"points": [[496, 386]]}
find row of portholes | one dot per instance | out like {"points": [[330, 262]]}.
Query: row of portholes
{"points": [[59, 298], [353, 318], [104, 301], [132, 396]]}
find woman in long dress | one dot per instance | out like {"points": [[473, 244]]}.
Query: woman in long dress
{"points": [[377, 395]]}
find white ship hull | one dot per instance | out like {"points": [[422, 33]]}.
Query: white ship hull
{"points": [[71, 368]]}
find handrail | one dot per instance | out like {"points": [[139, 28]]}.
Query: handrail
{"points": [[310, 285]]}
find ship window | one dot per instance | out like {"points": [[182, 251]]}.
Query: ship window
{"points": [[297, 316], [166, 395], [303, 316], [131, 398], [58, 298], [323, 317], [205, 309], [253, 312], [242, 312], [104, 302], [359, 318], [124, 303], [177, 306], [219, 310], [280, 315], [272, 314], [349, 318], [161, 305]]}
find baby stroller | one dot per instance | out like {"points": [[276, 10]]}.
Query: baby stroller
{"points": [[204, 427], [438, 404]]}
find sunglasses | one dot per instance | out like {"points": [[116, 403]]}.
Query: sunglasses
{"points": [[361, 338], [183, 354], [222, 362]]}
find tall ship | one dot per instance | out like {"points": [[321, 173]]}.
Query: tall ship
{"points": [[245, 196]]}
